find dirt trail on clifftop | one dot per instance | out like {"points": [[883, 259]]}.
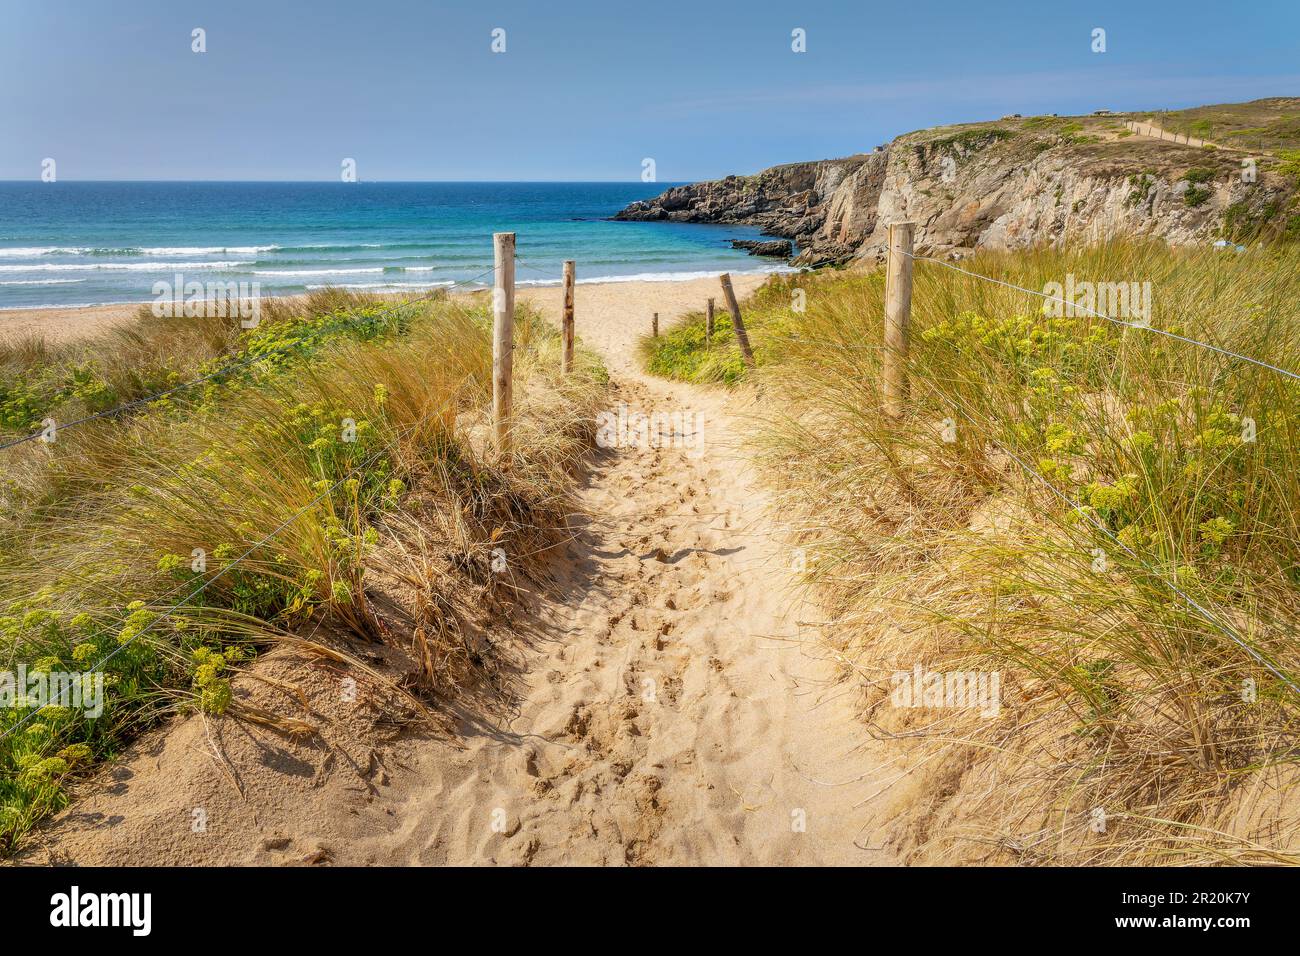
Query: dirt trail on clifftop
{"points": [[669, 709]]}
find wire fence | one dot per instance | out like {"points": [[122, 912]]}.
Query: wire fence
{"points": [[546, 273], [1214, 619], [1127, 323]]}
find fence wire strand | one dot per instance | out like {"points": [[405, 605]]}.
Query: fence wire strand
{"points": [[1132, 325], [1037, 476]]}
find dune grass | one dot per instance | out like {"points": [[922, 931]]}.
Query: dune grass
{"points": [[1106, 517], [168, 547], [147, 355]]}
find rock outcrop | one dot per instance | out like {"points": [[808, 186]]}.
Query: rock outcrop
{"points": [[776, 248], [1005, 185], [789, 201]]}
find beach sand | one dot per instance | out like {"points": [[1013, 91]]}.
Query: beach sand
{"points": [[59, 323], [674, 709]]}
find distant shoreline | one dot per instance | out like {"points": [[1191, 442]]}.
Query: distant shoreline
{"points": [[63, 322], [106, 244]]}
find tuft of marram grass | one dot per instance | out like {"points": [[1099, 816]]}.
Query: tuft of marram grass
{"points": [[361, 449], [1132, 685], [139, 357]]}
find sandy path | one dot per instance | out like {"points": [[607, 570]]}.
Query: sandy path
{"points": [[667, 711], [674, 717]]}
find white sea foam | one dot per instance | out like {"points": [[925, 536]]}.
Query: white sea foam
{"points": [[121, 266], [662, 276], [205, 250], [66, 305], [315, 272], [385, 286], [40, 281], [23, 252], [30, 252]]}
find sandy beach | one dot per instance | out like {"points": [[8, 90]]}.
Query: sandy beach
{"points": [[67, 322], [60, 323]]}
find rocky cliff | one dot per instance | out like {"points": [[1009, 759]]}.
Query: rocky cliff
{"points": [[1006, 185], [827, 207]]}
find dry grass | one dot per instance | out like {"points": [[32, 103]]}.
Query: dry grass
{"points": [[147, 355], [1272, 123], [345, 485], [1114, 528]]}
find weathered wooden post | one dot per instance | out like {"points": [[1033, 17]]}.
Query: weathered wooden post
{"points": [[566, 365], [708, 323], [654, 325], [898, 316], [737, 324], [503, 337]]}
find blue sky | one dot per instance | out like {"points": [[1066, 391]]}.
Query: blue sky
{"points": [[585, 90]]}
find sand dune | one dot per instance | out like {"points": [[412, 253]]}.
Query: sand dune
{"points": [[670, 709]]}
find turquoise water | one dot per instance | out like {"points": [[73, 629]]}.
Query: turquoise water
{"points": [[86, 243]]}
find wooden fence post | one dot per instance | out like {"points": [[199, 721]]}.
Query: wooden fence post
{"points": [[898, 315], [567, 321], [708, 323], [503, 337], [654, 325], [737, 324]]}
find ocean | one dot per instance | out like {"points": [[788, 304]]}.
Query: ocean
{"points": [[91, 243]]}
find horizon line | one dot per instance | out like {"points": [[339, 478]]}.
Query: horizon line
{"points": [[414, 182]]}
